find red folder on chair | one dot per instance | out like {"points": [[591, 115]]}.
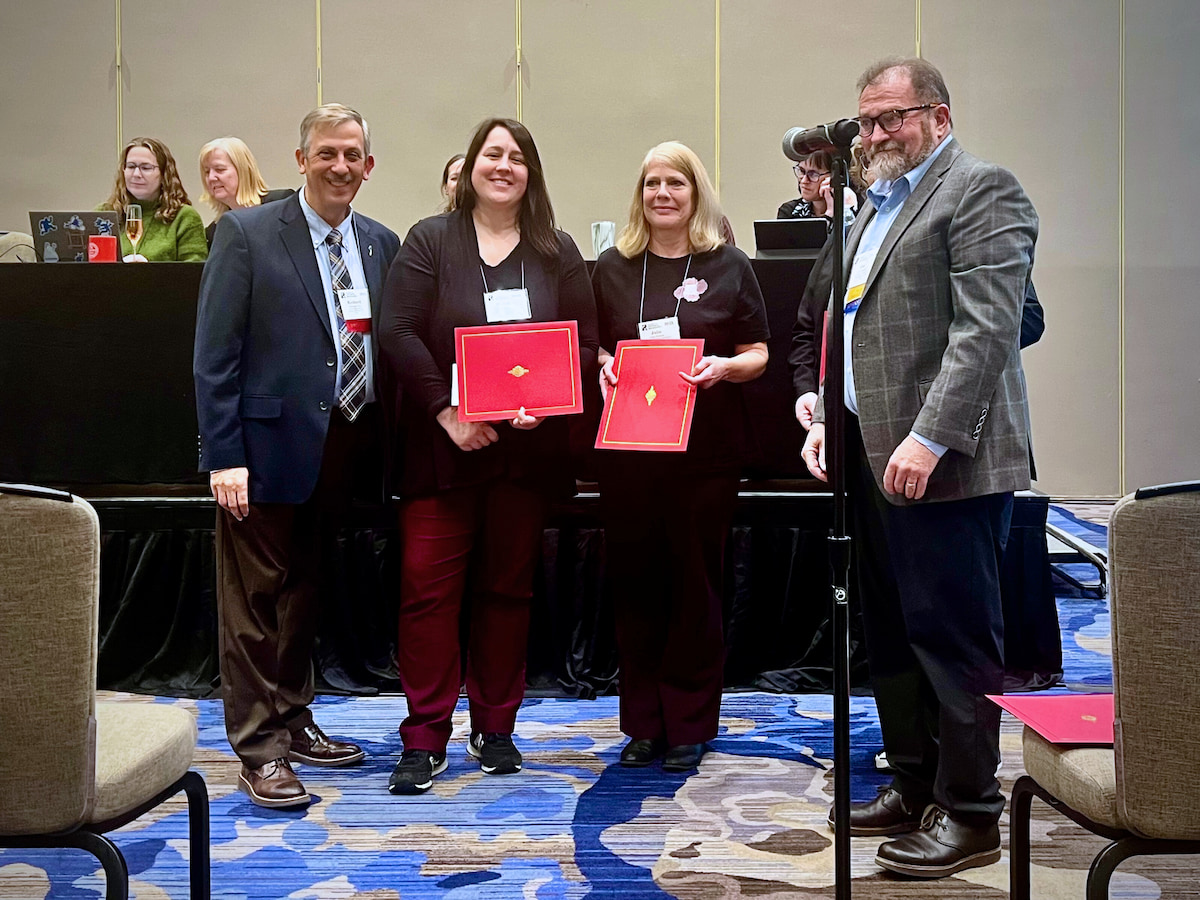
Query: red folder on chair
{"points": [[1063, 718], [502, 368], [651, 407]]}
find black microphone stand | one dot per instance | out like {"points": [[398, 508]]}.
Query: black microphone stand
{"points": [[839, 539]]}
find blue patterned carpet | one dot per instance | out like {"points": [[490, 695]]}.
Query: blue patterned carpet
{"points": [[573, 824]]}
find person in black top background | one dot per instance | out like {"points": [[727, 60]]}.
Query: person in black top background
{"points": [[667, 515], [232, 180], [474, 494]]}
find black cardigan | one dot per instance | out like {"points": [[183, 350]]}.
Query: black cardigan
{"points": [[433, 287]]}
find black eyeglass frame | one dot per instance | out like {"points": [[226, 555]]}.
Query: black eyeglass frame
{"points": [[804, 174], [899, 113]]}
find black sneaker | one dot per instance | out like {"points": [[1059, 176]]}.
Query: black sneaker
{"points": [[414, 773], [496, 753]]}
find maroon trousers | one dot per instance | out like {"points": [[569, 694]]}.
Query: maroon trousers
{"points": [[269, 573], [481, 542], [665, 542]]}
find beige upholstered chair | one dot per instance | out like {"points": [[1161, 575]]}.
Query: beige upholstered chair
{"points": [[16, 247], [71, 768], [1143, 793]]}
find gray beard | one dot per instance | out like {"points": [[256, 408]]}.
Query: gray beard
{"points": [[890, 164]]}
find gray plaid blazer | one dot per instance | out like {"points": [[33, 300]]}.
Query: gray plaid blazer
{"points": [[936, 335]]}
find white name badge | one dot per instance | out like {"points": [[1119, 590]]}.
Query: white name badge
{"points": [[509, 305], [454, 384], [664, 329], [356, 303]]}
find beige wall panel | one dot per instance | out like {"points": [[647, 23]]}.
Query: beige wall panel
{"points": [[423, 74], [604, 82], [240, 67], [774, 76], [59, 73], [1162, 234], [1034, 86]]}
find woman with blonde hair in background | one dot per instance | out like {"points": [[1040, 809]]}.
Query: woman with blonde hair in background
{"points": [[450, 173], [232, 180]]}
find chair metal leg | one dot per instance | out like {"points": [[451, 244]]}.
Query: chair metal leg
{"points": [[1019, 813], [116, 873], [198, 835]]}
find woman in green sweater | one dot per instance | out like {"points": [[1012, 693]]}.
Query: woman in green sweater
{"points": [[171, 229]]}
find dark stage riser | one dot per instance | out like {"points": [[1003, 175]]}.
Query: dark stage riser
{"points": [[106, 351]]}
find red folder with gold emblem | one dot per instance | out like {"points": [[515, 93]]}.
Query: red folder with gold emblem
{"points": [[502, 368], [1063, 718], [650, 407]]}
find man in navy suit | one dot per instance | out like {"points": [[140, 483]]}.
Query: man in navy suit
{"points": [[285, 395]]}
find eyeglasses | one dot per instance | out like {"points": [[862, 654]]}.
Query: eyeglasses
{"points": [[809, 175], [144, 168], [889, 121]]}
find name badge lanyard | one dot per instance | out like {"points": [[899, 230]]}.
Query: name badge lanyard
{"points": [[487, 291], [642, 302]]}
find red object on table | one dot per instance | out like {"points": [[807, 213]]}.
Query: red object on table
{"points": [[502, 368], [650, 407], [1063, 718]]}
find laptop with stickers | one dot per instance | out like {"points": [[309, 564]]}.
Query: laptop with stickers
{"points": [[63, 236]]}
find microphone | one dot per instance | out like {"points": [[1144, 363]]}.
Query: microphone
{"points": [[800, 142]]}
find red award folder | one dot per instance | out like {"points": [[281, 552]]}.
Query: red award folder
{"points": [[651, 407], [1063, 718], [504, 367]]}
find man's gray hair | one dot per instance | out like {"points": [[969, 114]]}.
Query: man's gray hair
{"points": [[330, 116], [928, 83]]}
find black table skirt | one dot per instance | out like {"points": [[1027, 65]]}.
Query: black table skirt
{"points": [[158, 602]]}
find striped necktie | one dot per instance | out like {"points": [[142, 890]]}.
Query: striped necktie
{"points": [[353, 395]]}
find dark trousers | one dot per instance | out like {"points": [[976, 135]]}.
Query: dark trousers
{"points": [[269, 574], [485, 541], [665, 542], [930, 577]]}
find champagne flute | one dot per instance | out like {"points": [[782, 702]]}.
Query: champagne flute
{"points": [[133, 224]]}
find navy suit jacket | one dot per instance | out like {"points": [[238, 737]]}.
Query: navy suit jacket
{"points": [[265, 361]]}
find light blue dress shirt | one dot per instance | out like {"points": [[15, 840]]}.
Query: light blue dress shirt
{"points": [[888, 199], [318, 230]]}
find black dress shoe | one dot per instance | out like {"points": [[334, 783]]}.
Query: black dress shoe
{"points": [[684, 757], [889, 813], [313, 747], [641, 752], [942, 847]]}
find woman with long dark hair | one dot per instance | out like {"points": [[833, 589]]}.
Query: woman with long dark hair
{"points": [[474, 494]]}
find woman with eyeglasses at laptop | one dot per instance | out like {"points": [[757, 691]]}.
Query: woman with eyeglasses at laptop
{"points": [[816, 198], [172, 230], [232, 180]]}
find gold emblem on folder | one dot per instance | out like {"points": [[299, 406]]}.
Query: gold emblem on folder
{"points": [[518, 371], [1088, 718], [650, 395]]}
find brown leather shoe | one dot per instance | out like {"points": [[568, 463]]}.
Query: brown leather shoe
{"points": [[942, 847], [312, 747], [889, 813], [273, 785]]}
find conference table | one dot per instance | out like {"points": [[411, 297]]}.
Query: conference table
{"points": [[98, 398]]}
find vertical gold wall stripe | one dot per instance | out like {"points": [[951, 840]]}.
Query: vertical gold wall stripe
{"points": [[520, 61], [120, 82], [320, 72], [918, 33], [717, 103], [1121, 271]]}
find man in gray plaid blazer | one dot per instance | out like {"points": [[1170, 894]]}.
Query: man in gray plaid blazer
{"points": [[936, 443]]}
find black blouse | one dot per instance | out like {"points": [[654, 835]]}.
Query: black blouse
{"points": [[435, 286], [729, 312]]}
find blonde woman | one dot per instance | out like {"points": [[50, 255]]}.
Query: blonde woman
{"points": [[231, 179], [667, 515]]}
